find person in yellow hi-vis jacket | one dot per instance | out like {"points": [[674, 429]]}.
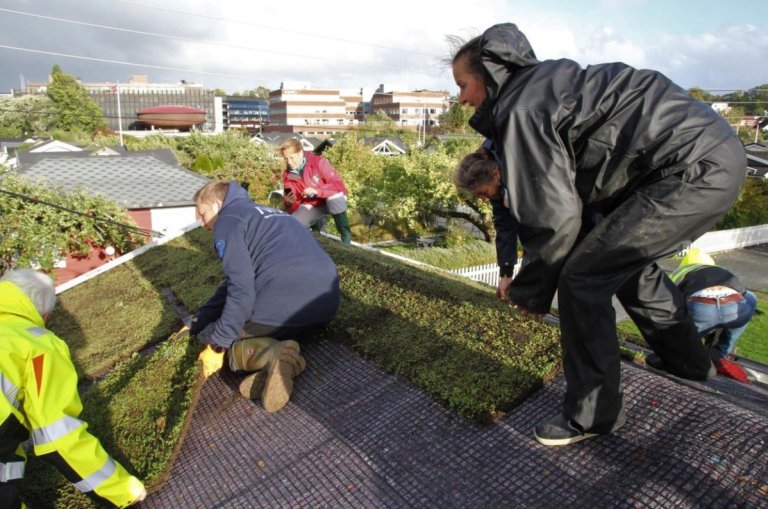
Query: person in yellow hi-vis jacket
{"points": [[40, 398]]}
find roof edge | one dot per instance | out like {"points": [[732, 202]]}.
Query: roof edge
{"points": [[126, 257]]}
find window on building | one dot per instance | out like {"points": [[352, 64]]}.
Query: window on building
{"points": [[405, 111]]}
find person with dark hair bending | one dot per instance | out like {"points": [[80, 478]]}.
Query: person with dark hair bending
{"points": [[629, 146]]}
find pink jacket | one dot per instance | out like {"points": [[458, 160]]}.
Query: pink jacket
{"points": [[317, 173]]}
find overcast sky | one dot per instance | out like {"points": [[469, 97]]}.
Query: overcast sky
{"points": [[241, 44]]}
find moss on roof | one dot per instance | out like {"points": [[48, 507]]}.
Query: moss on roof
{"points": [[446, 334]]}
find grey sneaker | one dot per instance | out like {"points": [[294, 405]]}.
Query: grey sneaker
{"points": [[559, 431]]}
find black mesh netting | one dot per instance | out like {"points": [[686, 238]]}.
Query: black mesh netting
{"points": [[355, 436]]}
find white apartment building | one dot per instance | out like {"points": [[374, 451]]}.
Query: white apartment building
{"points": [[413, 110], [299, 108]]}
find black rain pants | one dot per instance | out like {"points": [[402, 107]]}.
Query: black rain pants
{"points": [[618, 256]]}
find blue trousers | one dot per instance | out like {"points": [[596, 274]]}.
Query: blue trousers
{"points": [[732, 317]]}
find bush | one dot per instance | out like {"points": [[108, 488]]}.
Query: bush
{"points": [[37, 235], [750, 209]]}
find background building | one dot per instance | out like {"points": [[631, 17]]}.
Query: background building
{"points": [[297, 107], [249, 113], [413, 110], [138, 94]]}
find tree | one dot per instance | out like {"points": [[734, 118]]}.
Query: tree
{"points": [[750, 209], [219, 92], [232, 156], [27, 115], [359, 167], [456, 119], [701, 95], [258, 92], [77, 111], [754, 101], [378, 122]]}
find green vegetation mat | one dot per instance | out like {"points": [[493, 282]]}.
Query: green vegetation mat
{"points": [[447, 335], [449, 258], [139, 412]]}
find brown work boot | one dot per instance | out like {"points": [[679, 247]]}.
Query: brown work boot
{"points": [[286, 364], [252, 385], [273, 364]]}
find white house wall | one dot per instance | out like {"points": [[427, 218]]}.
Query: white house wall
{"points": [[172, 219]]}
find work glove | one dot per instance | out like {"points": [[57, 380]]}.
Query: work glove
{"points": [[212, 360]]}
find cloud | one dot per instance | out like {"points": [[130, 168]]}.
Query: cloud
{"points": [[241, 44], [731, 58]]}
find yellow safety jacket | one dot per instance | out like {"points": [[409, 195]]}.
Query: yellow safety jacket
{"points": [[40, 398]]}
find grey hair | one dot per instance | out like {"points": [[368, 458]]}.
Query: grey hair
{"points": [[35, 285]]}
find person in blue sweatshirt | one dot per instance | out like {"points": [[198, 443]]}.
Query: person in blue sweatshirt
{"points": [[280, 284]]}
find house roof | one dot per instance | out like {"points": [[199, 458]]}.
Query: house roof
{"points": [[135, 180], [757, 160], [376, 440], [53, 146], [276, 139], [11, 143], [386, 146]]}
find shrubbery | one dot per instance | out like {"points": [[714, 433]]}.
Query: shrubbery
{"points": [[751, 209], [37, 235]]}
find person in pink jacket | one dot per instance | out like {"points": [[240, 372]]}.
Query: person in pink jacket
{"points": [[312, 188]]}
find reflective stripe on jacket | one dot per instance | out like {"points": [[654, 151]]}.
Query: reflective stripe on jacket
{"points": [[696, 277], [40, 399]]}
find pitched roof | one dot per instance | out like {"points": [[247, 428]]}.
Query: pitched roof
{"points": [[135, 180], [276, 139], [53, 146], [386, 146]]}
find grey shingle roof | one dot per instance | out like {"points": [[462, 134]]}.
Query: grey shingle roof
{"points": [[135, 181]]}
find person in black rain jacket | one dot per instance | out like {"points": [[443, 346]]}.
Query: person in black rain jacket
{"points": [[610, 141]]}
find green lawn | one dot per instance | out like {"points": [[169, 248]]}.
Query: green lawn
{"points": [[753, 344]]}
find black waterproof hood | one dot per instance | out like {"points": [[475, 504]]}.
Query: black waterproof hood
{"points": [[505, 50]]}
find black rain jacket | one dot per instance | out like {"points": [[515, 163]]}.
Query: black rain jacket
{"points": [[576, 142]]}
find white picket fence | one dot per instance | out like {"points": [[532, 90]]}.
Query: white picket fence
{"points": [[712, 242], [725, 240], [488, 273]]}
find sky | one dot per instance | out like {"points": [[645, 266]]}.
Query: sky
{"points": [[238, 45]]}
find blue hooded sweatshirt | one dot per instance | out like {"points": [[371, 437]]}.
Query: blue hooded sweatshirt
{"points": [[276, 272]]}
